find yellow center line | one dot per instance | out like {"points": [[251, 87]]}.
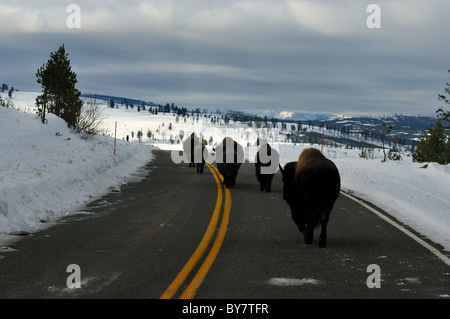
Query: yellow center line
{"points": [[190, 291], [197, 255]]}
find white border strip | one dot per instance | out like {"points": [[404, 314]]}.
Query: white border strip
{"points": [[435, 251]]}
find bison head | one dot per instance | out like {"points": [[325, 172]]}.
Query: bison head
{"points": [[288, 173]]}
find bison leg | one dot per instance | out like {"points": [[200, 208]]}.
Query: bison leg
{"points": [[323, 232], [269, 184], [299, 222], [308, 235], [311, 222], [229, 181], [226, 180]]}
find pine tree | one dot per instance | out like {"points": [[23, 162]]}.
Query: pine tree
{"points": [[435, 144], [60, 96], [433, 147], [443, 114]]}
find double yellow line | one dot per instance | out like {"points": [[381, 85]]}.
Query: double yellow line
{"points": [[191, 289]]}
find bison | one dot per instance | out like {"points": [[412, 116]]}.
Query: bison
{"points": [[189, 145], [311, 187], [200, 155], [266, 165], [229, 158]]}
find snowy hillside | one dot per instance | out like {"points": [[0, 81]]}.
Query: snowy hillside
{"points": [[44, 175], [47, 171]]}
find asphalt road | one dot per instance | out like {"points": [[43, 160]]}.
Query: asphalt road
{"points": [[135, 243]]}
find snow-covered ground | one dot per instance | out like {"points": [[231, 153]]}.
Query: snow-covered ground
{"points": [[44, 175], [47, 171]]}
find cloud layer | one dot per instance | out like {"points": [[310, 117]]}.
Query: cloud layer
{"points": [[312, 56]]}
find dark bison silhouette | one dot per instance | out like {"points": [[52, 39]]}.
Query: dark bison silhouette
{"points": [[229, 158], [189, 145], [200, 155], [266, 165], [311, 187]]}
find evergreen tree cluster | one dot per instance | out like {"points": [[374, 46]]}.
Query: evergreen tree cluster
{"points": [[435, 143], [60, 96], [4, 88]]}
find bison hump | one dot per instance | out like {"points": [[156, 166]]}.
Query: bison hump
{"points": [[315, 173]]}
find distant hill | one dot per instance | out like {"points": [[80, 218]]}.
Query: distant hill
{"points": [[408, 129], [117, 99], [298, 116], [358, 131]]}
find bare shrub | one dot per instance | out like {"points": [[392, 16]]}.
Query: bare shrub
{"points": [[91, 118]]}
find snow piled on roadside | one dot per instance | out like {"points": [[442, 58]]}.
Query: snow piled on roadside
{"points": [[48, 171], [418, 197]]}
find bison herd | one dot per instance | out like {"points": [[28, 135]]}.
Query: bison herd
{"points": [[310, 186]]}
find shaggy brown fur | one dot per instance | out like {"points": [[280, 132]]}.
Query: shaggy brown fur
{"points": [[311, 187]]}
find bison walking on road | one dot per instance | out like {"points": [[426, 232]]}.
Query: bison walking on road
{"points": [[229, 158], [311, 187], [266, 165], [200, 155], [189, 146], [195, 152]]}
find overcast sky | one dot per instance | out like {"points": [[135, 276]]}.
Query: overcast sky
{"points": [[299, 56]]}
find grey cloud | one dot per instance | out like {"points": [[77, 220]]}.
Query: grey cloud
{"points": [[244, 54]]}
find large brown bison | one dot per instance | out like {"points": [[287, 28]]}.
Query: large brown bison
{"points": [[311, 186], [229, 158], [189, 145], [266, 165]]}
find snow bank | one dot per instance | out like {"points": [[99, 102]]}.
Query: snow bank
{"points": [[418, 197], [47, 171]]}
